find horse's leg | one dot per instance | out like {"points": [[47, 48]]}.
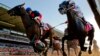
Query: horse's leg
{"points": [[63, 39], [80, 52], [76, 51], [90, 38], [57, 52], [50, 35], [35, 54], [45, 51], [68, 49], [32, 42], [52, 51], [81, 42], [61, 51], [43, 40], [40, 54]]}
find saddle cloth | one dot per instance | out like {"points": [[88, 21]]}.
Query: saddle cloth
{"points": [[88, 27]]}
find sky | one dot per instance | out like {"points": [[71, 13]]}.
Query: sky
{"points": [[51, 15]]}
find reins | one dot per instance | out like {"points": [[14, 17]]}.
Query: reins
{"points": [[58, 25]]}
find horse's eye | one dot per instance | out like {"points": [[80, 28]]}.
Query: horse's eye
{"points": [[61, 9]]}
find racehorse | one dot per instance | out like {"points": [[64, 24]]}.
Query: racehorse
{"points": [[76, 29], [56, 45], [32, 28]]}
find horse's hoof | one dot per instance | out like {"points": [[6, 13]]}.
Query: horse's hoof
{"points": [[79, 54], [64, 54], [90, 52], [84, 49]]}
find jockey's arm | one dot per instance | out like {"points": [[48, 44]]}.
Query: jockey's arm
{"points": [[37, 19]]}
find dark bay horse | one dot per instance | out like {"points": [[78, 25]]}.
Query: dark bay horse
{"points": [[32, 28], [76, 29]]}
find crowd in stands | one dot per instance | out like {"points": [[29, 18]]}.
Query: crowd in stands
{"points": [[16, 49], [13, 48], [13, 36]]}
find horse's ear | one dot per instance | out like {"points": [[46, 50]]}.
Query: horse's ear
{"points": [[22, 4]]}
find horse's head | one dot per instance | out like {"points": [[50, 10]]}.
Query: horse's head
{"points": [[17, 10], [63, 7]]}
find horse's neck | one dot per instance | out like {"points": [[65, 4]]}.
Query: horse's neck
{"points": [[74, 23], [26, 20], [71, 20], [31, 26]]}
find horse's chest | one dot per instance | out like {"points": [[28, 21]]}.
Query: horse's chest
{"points": [[72, 43]]}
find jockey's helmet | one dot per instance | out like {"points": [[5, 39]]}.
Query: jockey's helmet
{"points": [[38, 14], [28, 9]]}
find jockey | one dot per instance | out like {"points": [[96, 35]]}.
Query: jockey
{"points": [[34, 15], [75, 9]]}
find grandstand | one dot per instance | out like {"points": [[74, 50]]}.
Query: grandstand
{"points": [[13, 39]]}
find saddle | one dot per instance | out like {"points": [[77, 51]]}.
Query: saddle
{"points": [[44, 27]]}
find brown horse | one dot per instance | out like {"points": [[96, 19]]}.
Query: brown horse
{"points": [[56, 45], [76, 29], [47, 33], [32, 28]]}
